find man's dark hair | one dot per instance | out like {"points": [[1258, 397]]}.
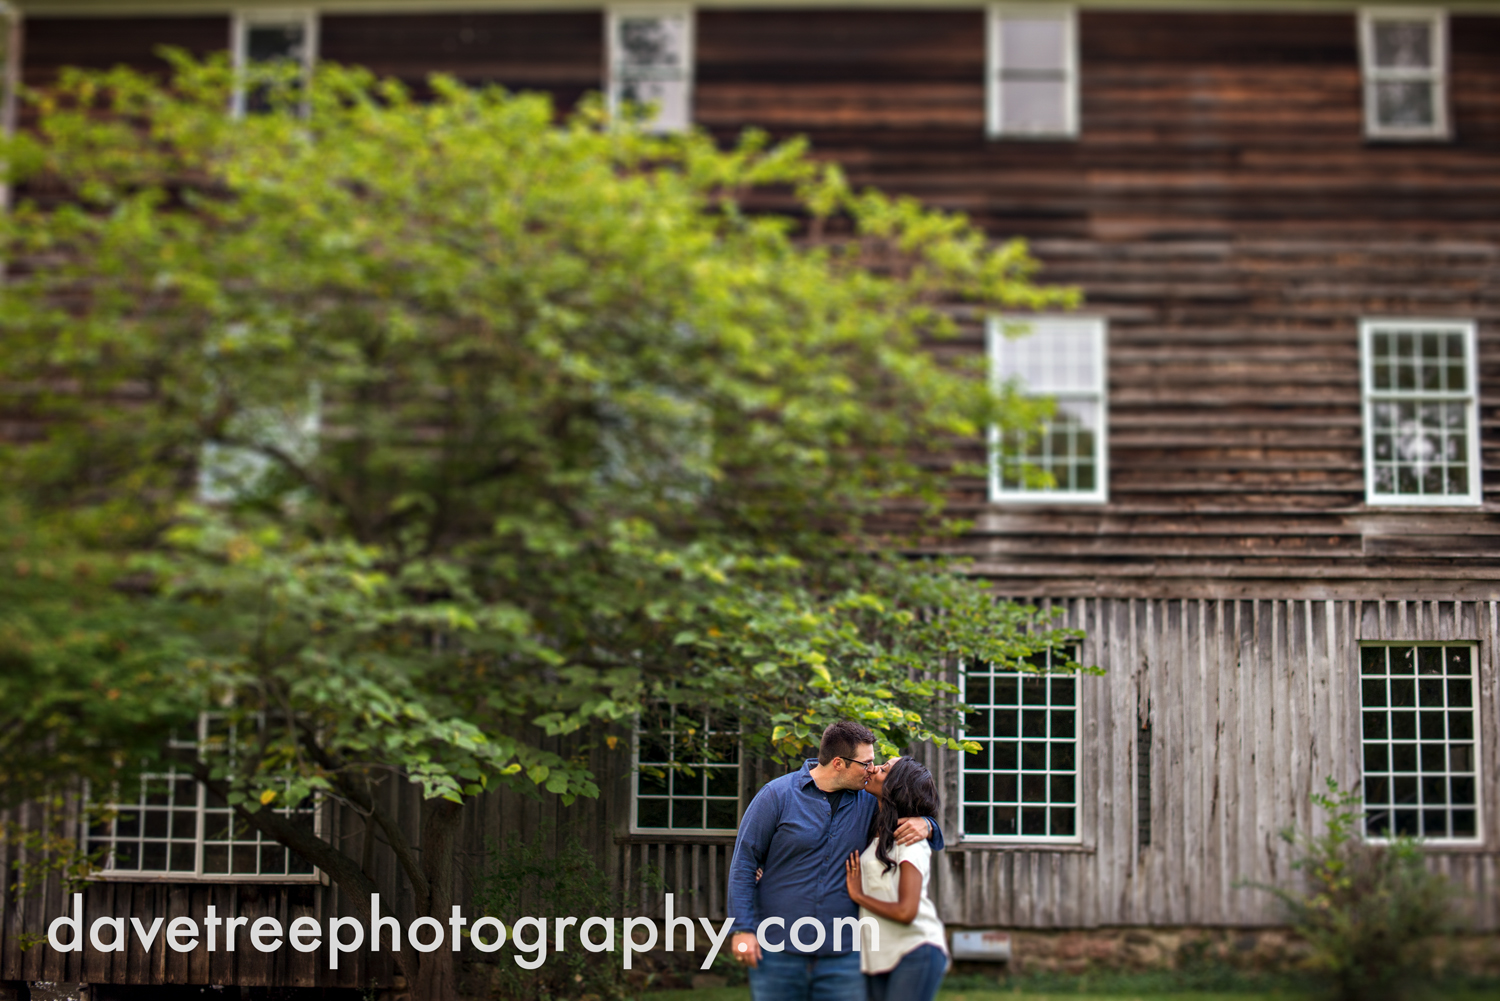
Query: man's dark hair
{"points": [[840, 740]]}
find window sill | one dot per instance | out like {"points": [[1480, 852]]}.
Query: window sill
{"points": [[221, 878], [1065, 847], [674, 838], [1448, 847], [1407, 138]]}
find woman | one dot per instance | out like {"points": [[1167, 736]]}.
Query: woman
{"points": [[889, 883]]}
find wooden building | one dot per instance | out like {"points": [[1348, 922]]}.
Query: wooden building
{"points": [[1277, 456]]}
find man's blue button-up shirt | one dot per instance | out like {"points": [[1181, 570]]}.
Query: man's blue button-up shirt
{"points": [[800, 836]]}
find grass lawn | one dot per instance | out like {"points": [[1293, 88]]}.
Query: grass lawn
{"points": [[1123, 989], [965, 994], [743, 994]]}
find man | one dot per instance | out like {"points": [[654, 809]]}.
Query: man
{"points": [[798, 830]]}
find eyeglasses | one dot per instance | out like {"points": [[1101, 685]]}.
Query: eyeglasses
{"points": [[866, 765]]}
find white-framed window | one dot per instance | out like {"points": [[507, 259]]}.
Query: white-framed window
{"points": [[687, 772], [228, 473], [271, 36], [650, 53], [1404, 62], [1061, 357], [1420, 412], [1022, 785], [1032, 85], [171, 827], [10, 68], [1420, 740]]}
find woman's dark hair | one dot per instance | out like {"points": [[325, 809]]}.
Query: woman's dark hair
{"points": [[908, 792]]}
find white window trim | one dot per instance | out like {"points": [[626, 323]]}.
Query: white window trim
{"points": [[1368, 395], [994, 25], [995, 335], [10, 66], [1479, 771], [239, 38], [668, 833], [612, 53], [198, 876], [1438, 74], [1078, 776]]}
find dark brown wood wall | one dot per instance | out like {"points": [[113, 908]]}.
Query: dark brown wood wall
{"points": [[1222, 209], [54, 42], [561, 54]]}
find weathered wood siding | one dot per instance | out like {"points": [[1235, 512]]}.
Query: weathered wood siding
{"points": [[488, 821], [54, 42], [1222, 209], [1252, 704], [557, 53]]}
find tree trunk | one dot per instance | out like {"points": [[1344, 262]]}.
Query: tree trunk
{"points": [[436, 978]]}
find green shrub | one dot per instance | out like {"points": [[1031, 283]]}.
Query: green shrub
{"points": [[522, 878], [1369, 911]]}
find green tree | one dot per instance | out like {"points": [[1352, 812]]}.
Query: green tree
{"points": [[405, 432]]}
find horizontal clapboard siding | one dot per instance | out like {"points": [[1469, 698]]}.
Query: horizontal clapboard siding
{"points": [[1222, 209], [557, 53]]}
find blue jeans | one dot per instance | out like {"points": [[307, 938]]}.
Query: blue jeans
{"points": [[916, 978], [796, 976]]}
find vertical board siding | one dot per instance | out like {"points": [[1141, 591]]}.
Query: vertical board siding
{"points": [[1252, 705]]}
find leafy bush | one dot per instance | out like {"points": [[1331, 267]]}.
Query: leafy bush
{"points": [[1370, 910], [524, 878]]}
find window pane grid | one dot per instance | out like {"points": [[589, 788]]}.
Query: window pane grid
{"points": [[687, 772], [1064, 448], [1023, 782], [1032, 78], [1420, 408], [174, 826], [1062, 359], [1404, 74], [1419, 741], [651, 57]]}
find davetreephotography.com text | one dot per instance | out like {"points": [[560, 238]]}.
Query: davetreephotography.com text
{"points": [[531, 938]]}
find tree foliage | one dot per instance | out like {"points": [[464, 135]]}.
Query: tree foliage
{"points": [[421, 429]]}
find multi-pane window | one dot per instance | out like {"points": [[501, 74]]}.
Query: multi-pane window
{"points": [[687, 771], [170, 825], [10, 79], [1023, 781], [651, 62], [1421, 441], [229, 473], [1033, 71], [1404, 55], [271, 38], [1421, 741], [1061, 358]]}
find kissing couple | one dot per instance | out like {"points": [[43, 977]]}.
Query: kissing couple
{"points": [[839, 849]]}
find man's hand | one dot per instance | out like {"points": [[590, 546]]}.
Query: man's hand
{"points": [[913, 829], [745, 949]]}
